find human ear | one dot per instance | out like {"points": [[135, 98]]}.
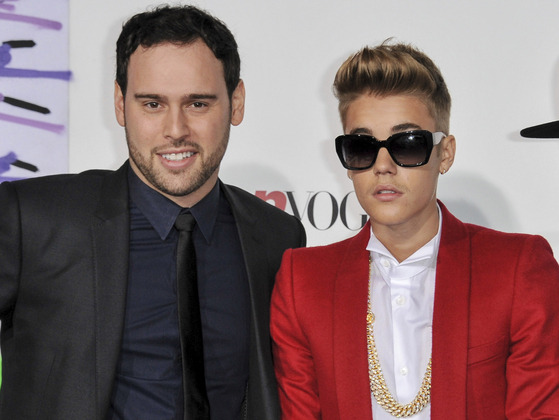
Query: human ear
{"points": [[119, 105], [238, 104], [448, 150]]}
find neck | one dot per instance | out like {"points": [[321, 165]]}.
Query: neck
{"points": [[187, 201], [402, 241]]}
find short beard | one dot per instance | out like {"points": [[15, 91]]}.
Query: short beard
{"points": [[178, 183]]}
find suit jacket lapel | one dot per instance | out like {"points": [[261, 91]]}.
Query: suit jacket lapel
{"points": [[110, 232], [261, 375], [349, 330], [450, 321], [251, 244]]}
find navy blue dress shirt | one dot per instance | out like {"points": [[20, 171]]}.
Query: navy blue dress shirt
{"points": [[148, 382]]}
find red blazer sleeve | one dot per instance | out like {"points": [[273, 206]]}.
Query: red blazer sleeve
{"points": [[532, 368], [293, 362]]}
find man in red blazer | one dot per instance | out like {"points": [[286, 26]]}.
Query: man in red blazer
{"points": [[419, 315]]}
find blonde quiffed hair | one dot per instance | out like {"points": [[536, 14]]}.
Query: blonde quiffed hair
{"points": [[393, 69]]}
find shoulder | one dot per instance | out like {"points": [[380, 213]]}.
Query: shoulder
{"points": [[510, 247], [323, 251], [251, 206], [61, 182], [491, 243], [326, 258], [498, 241], [55, 191], [238, 195]]}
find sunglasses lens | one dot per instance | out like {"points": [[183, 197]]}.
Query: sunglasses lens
{"points": [[407, 149], [357, 153], [410, 149]]}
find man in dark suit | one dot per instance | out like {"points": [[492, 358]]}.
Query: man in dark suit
{"points": [[88, 275]]}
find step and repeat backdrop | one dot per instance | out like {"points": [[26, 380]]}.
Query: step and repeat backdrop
{"points": [[34, 80], [500, 60]]}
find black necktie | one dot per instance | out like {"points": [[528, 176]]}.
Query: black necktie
{"points": [[196, 406]]}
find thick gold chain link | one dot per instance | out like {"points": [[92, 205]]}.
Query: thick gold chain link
{"points": [[379, 389]]}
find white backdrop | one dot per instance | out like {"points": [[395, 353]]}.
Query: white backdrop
{"points": [[500, 60]]}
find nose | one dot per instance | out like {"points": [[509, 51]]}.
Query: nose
{"points": [[176, 124], [384, 163]]}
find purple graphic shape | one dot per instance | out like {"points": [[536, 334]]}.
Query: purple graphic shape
{"points": [[61, 75], [55, 128], [6, 161], [5, 56], [44, 23], [8, 7]]}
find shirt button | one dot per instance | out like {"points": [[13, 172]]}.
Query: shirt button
{"points": [[404, 371], [385, 263], [400, 300]]}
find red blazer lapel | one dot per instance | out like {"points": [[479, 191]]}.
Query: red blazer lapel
{"points": [[349, 330], [450, 325], [450, 321]]}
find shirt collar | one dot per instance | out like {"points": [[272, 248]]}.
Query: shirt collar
{"points": [[162, 212], [206, 210]]}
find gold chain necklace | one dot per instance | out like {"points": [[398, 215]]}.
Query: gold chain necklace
{"points": [[379, 389]]}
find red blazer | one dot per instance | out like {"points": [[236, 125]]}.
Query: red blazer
{"points": [[495, 328]]}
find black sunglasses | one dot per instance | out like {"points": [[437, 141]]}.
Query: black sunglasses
{"points": [[407, 149]]}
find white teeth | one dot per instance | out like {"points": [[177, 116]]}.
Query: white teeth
{"points": [[387, 192], [177, 156]]}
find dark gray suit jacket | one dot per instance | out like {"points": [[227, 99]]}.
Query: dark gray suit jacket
{"points": [[63, 274]]}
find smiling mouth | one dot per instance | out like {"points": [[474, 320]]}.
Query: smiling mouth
{"points": [[177, 156]]}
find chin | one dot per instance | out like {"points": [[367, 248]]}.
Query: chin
{"points": [[387, 218]]}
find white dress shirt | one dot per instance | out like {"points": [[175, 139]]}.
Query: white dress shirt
{"points": [[402, 296]]}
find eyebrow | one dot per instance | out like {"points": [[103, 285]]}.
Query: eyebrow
{"points": [[147, 96], [201, 96], [191, 97], [361, 130], [395, 129], [405, 127]]}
